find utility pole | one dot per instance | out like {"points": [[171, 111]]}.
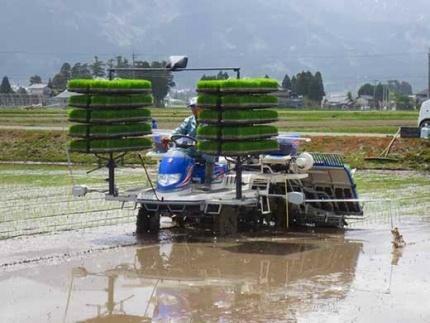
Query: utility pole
{"points": [[374, 93], [428, 85]]}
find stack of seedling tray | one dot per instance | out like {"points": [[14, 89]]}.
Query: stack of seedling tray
{"points": [[235, 116], [110, 116]]}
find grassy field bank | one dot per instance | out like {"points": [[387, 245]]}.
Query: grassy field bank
{"points": [[50, 146], [385, 122]]}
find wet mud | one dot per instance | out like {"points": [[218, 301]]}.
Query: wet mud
{"points": [[299, 276]]}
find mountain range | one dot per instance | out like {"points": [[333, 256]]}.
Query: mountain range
{"points": [[350, 42]]}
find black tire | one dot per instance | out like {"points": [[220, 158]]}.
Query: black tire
{"points": [[147, 222], [425, 123], [225, 223], [154, 223], [142, 221]]}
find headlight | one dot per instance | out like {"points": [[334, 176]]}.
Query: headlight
{"points": [[168, 179]]}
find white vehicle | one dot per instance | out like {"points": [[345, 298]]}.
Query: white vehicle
{"points": [[424, 118]]}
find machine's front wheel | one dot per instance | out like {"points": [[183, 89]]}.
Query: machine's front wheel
{"points": [[147, 221], [225, 223]]}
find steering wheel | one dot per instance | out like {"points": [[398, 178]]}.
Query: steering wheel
{"points": [[175, 139]]}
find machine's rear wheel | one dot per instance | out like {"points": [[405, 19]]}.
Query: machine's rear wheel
{"points": [[425, 123], [147, 221], [225, 223]]}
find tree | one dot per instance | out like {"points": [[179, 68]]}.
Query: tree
{"points": [[294, 84], [35, 79], [349, 96], [366, 89], [403, 102], [5, 86], [405, 88], [220, 76], [286, 83], [379, 92], [59, 82], [161, 80], [97, 68], [81, 71], [21, 91], [319, 81]]}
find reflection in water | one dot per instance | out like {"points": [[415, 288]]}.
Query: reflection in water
{"points": [[256, 280]]}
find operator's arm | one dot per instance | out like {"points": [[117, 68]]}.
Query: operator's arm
{"points": [[183, 129]]}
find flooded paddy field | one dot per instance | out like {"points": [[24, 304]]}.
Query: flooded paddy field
{"points": [[90, 267]]}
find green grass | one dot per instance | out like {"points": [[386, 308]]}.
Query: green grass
{"points": [[124, 115], [107, 84], [232, 148], [237, 99], [110, 130], [236, 132], [110, 100], [235, 115], [110, 145], [383, 182], [43, 176]]}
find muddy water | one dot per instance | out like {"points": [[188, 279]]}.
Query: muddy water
{"points": [[304, 276]]}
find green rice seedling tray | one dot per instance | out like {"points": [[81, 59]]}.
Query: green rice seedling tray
{"points": [[109, 131], [236, 133], [110, 101], [110, 145], [233, 117], [109, 116], [245, 85], [237, 101], [109, 87], [237, 148]]}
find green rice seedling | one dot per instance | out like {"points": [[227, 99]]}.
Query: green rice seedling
{"points": [[110, 145], [250, 83], [79, 100], [121, 100], [108, 116], [238, 85], [249, 101], [114, 84], [239, 116], [238, 148], [207, 100], [208, 85], [106, 131], [236, 133], [110, 101], [237, 101], [107, 86]]}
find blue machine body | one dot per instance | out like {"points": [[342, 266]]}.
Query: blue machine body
{"points": [[177, 171]]}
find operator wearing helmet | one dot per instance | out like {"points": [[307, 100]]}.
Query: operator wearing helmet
{"points": [[189, 126]]}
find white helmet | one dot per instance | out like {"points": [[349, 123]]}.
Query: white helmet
{"points": [[192, 103]]}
